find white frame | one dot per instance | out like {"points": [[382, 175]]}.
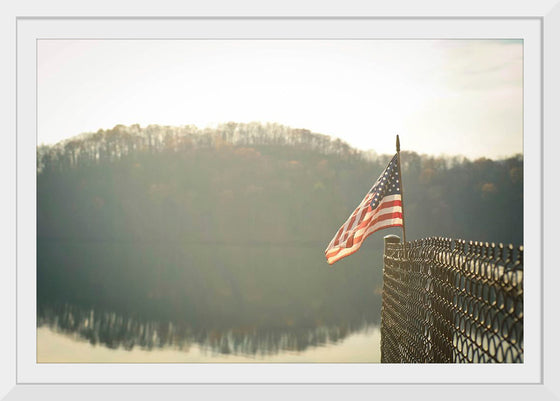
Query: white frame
{"points": [[548, 12]]}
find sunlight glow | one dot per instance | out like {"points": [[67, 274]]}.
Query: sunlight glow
{"points": [[441, 96]]}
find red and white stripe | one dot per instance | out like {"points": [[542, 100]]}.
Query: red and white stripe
{"points": [[363, 222]]}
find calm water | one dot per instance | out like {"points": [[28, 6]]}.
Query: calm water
{"points": [[56, 347], [168, 302], [74, 334]]}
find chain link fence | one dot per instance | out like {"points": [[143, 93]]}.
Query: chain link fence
{"points": [[451, 301]]}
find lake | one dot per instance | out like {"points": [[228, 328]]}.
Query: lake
{"points": [[175, 302], [54, 346]]}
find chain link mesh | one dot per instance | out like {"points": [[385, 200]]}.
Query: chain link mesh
{"points": [[448, 301]]}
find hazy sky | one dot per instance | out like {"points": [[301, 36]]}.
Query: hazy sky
{"points": [[440, 96]]}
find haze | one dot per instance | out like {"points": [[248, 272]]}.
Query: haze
{"points": [[441, 96]]}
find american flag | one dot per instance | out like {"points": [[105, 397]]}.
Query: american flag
{"points": [[381, 208]]}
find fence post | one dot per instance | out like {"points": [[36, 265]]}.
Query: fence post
{"points": [[387, 334], [390, 239]]}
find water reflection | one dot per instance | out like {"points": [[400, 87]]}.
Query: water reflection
{"points": [[116, 331], [228, 299]]}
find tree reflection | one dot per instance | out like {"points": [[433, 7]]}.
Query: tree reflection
{"points": [[120, 331]]}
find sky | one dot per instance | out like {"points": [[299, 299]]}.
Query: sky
{"points": [[453, 97]]}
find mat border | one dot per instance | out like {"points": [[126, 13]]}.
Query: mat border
{"points": [[548, 12]]}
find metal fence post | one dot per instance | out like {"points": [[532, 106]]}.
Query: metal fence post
{"points": [[390, 239], [386, 342]]}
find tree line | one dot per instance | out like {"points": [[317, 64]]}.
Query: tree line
{"points": [[120, 141]]}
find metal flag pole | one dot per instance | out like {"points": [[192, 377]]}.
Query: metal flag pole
{"points": [[402, 192]]}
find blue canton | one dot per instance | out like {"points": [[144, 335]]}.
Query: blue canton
{"points": [[387, 184]]}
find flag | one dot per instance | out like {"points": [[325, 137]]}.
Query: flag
{"points": [[380, 208]]}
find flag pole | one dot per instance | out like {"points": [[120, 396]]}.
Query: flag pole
{"points": [[402, 191]]}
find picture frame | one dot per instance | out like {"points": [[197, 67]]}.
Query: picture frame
{"points": [[21, 381]]}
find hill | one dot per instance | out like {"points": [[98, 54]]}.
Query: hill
{"points": [[227, 227]]}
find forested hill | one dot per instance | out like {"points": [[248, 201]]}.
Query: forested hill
{"points": [[226, 228], [252, 184]]}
